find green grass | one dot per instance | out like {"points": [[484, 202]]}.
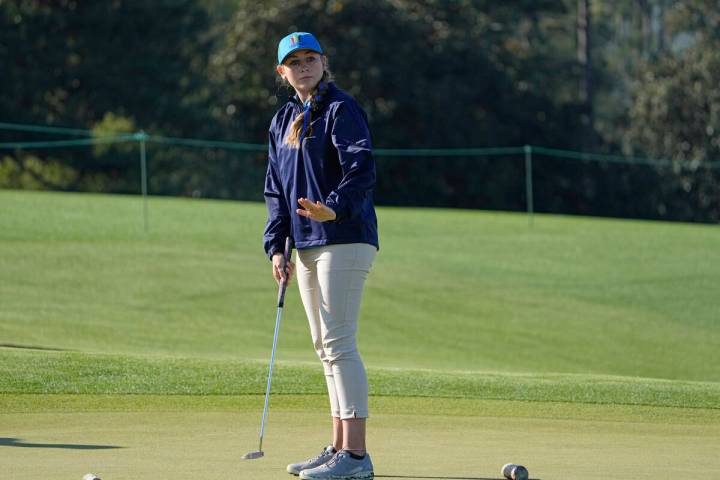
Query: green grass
{"points": [[583, 348], [81, 373], [12, 404], [180, 437], [459, 304], [450, 290]]}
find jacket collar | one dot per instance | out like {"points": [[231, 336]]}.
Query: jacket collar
{"points": [[295, 100]]}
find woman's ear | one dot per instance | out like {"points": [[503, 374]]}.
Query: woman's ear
{"points": [[280, 70]]}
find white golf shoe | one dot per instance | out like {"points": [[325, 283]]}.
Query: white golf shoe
{"points": [[341, 467], [323, 457]]}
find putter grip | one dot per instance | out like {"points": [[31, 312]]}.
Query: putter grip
{"points": [[288, 257]]}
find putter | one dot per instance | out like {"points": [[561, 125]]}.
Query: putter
{"points": [[281, 302]]}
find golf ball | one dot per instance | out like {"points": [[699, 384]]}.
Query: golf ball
{"points": [[90, 476], [512, 471]]}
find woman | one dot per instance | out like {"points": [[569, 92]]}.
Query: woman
{"points": [[318, 189]]}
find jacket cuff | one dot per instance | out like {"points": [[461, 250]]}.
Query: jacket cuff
{"points": [[340, 214], [273, 250]]}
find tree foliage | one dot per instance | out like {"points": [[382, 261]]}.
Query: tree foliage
{"points": [[676, 114], [429, 73]]}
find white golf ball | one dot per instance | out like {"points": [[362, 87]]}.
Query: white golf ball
{"points": [[90, 476]]}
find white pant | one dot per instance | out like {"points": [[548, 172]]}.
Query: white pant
{"points": [[331, 280]]}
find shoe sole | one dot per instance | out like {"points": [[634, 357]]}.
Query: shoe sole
{"points": [[288, 469], [358, 476]]}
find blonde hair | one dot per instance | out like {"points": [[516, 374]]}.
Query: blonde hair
{"points": [[316, 97]]}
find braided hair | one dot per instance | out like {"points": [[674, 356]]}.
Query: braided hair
{"points": [[301, 127]]}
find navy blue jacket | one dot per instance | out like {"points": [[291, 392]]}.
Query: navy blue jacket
{"points": [[334, 165]]}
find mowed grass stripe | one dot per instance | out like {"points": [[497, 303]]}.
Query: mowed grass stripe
{"points": [[79, 373], [424, 406], [450, 289]]}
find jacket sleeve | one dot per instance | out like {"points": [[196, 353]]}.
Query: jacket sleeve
{"points": [[351, 138], [278, 222]]}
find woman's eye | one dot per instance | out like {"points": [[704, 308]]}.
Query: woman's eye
{"points": [[294, 63], [310, 60]]}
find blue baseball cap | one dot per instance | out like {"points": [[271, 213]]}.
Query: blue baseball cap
{"points": [[297, 41]]}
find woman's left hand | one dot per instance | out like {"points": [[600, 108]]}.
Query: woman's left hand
{"points": [[317, 211]]}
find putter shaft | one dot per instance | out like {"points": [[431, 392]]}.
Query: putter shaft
{"points": [[281, 302]]}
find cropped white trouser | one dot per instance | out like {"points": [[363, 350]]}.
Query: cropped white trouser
{"points": [[331, 280]]}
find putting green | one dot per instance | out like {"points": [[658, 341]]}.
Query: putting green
{"points": [[191, 437]]}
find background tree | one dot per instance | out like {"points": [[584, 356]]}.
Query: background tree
{"points": [[676, 114], [429, 73], [584, 56], [70, 63]]}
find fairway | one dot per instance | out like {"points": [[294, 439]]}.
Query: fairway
{"points": [[582, 348]]}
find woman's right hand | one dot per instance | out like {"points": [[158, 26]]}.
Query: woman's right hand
{"points": [[279, 268]]}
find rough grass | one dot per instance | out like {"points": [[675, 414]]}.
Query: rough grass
{"points": [[79, 373]]}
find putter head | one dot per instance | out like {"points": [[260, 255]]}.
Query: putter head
{"points": [[252, 455]]}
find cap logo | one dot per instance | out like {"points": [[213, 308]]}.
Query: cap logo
{"points": [[294, 40]]}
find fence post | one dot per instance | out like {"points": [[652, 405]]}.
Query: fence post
{"points": [[529, 184], [141, 136]]}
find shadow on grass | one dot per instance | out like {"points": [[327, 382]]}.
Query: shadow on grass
{"points": [[438, 478], [16, 442], [443, 478], [31, 347]]}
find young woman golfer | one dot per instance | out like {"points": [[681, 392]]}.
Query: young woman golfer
{"points": [[318, 189]]}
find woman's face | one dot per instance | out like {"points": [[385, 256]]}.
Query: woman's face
{"points": [[303, 69]]}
